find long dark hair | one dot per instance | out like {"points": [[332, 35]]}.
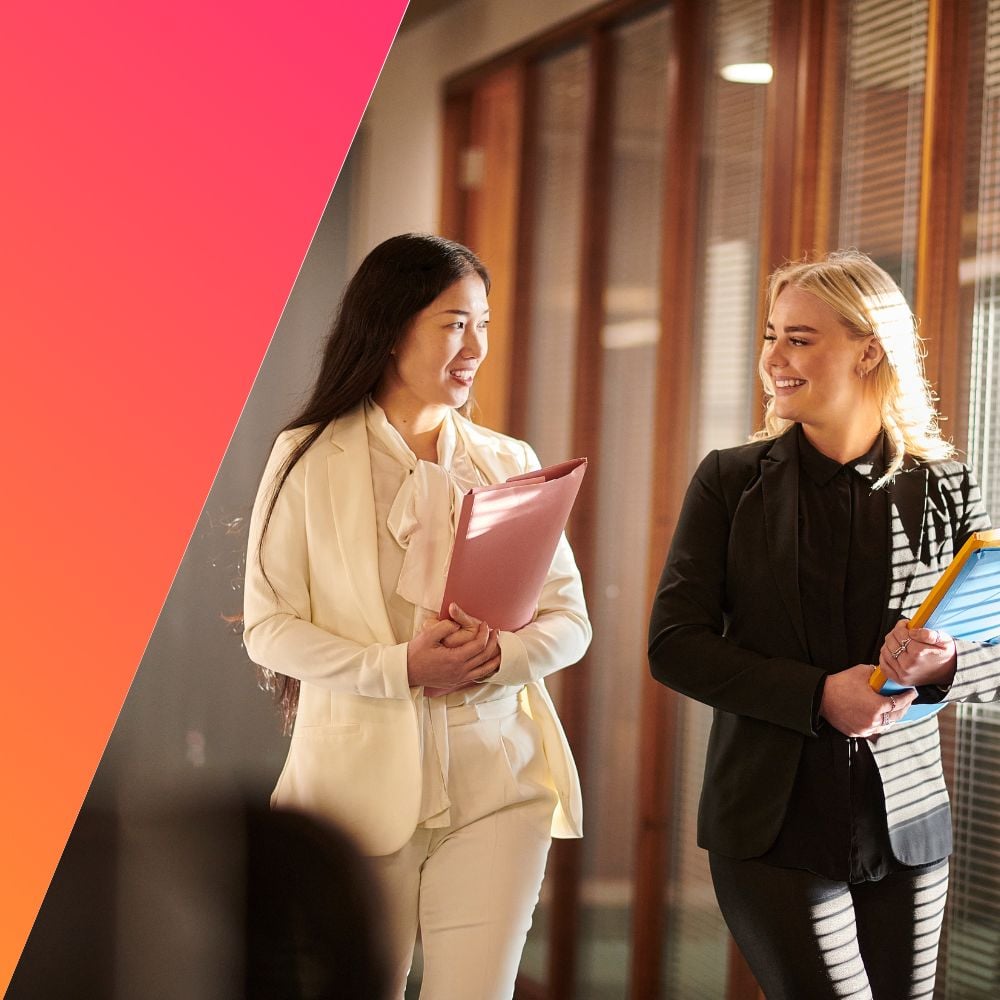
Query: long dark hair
{"points": [[401, 277]]}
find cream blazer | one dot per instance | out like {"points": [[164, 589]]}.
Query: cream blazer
{"points": [[319, 615]]}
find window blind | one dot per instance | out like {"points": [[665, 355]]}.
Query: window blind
{"points": [[885, 57], [616, 594]]}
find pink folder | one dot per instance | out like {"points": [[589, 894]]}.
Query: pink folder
{"points": [[506, 539]]}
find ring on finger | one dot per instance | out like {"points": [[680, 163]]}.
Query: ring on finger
{"points": [[892, 702]]}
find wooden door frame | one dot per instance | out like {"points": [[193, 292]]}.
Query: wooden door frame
{"points": [[942, 175], [658, 725]]}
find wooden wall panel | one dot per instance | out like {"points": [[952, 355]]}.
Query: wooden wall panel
{"points": [[491, 230], [454, 209], [939, 239]]}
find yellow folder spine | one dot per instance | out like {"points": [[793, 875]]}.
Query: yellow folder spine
{"points": [[978, 540]]}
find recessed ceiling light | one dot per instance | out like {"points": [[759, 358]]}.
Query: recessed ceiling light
{"points": [[747, 73]]}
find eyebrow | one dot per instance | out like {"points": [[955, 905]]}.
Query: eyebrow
{"points": [[455, 312], [799, 328]]}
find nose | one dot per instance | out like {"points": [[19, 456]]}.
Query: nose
{"points": [[774, 356], [475, 343]]}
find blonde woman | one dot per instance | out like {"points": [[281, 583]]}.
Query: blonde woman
{"points": [[796, 561]]}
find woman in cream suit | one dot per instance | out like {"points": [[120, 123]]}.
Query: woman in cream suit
{"points": [[434, 742]]}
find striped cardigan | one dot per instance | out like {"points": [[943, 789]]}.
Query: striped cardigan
{"points": [[727, 629]]}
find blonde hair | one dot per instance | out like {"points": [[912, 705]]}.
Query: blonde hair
{"points": [[869, 303]]}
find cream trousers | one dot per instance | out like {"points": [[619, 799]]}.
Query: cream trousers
{"points": [[470, 888]]}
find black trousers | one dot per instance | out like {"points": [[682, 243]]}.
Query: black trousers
{"points": [[810, 938]]}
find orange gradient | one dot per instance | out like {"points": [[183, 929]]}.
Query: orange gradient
{"points": [[165, 167]]}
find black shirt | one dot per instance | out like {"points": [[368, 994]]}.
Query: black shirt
{"points": [[835, 825]]}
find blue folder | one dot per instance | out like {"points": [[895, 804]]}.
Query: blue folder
{"points": [[964, 603]]}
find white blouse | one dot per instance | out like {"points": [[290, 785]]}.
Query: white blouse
{"points": [[417, 504]]}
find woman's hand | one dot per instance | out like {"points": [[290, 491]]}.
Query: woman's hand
{"points": [[446, 656], [914, 656], [469, 629], [854, 709], [468, 625]]}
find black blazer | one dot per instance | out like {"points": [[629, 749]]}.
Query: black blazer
{"points": [[727, 629]]}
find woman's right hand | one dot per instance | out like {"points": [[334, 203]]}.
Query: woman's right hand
{"points": [[432, 663], [854, 709]]}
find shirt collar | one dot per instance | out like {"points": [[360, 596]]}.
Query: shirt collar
{"points": [[821, 469], [391, 441]]}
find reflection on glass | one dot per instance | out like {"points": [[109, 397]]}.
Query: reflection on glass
{"points": [[555, 253], [623, 468], [555, 256]]}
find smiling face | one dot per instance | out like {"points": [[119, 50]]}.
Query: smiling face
{"points": [[434, 364], [816, 365]]}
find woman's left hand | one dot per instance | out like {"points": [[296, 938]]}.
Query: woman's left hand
{"points": [[470, 627], [915, 656]]}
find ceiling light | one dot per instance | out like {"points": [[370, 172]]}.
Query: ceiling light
{"points": [[747, 72]]}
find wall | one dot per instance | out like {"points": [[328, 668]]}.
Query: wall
{"points": [[400, 147]]}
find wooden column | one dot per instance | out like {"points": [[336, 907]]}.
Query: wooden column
{"points": [[939, 237], [454, 188], [491, 225], [816, 119], [671, 464], [782, 117], [800, 131], [524, 265]]}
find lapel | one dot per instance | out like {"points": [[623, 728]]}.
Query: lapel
{"points": [[349, 474], [350, 480], [908, 502], [780, 485]]}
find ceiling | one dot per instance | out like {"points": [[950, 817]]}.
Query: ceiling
{"points": [[421, 10]]}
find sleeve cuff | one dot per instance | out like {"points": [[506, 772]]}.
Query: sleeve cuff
{"points": [[818, 722], [514, 669], [932, 694], [395, 679]]}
